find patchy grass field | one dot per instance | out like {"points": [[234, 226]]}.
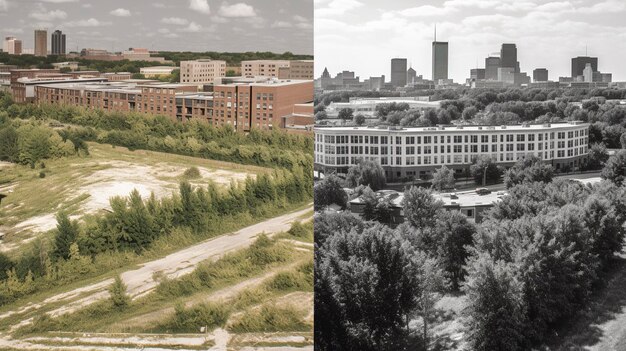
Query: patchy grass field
{"points": [[83, 185]]}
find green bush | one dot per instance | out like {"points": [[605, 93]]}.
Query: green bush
{"points": [[270, 318], [191, 173], [190, 320], [285, 281]]}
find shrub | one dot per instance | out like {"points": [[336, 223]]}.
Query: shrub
{"points": [[270, 318], [190, 320], [119, 297], [191, 173]]}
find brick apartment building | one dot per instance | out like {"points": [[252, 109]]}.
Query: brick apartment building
{"points": [[282, 69], [240, 103]]}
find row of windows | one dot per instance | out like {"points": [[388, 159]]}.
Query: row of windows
{"points": [[457, 139], [442, 149]]}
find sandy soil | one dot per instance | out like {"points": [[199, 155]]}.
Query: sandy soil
{"points": [[140, 281]]}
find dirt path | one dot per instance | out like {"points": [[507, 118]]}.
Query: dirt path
{"points": [[140, 281]]}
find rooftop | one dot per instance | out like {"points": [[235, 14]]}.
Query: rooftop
{"points": [[517, 127]]}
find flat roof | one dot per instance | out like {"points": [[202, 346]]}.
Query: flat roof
{"points": [[452, 128]]}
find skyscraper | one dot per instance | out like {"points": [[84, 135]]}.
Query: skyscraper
{"points": [[12, 46], [508, 56], [57, 43], [492, 64], [398, 72], [588, 73], [411, 75], [579, 63], [540, 75], [440, 60], [41, 42]]}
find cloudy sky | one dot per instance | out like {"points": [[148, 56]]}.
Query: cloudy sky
{"points": [[177, 25], [363, 35]]}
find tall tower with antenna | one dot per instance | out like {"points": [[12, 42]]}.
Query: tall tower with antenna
{"points": [[439, 59]]}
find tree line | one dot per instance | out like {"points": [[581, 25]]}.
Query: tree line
{"points": [[530, 266]]}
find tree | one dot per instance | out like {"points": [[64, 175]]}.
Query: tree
{"points": [[622, 140], [420, 207], [369, 286], [454, 234], [367, 172], [615, 168], [346, 114], [598, 155], [67, 234], [119, 297], [138, 76], [443, 178], [9, 150], [495, 311], [359, 120], [328, 224], [528, 169], [321, 115], [329, 191], [485, 170]]}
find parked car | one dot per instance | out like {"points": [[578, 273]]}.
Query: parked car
{"points": [[483, 191]]}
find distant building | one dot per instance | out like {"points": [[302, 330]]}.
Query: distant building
{"points": [[508, 57], [440, 60], [157, 71], [12, 46], [57, 43], [41, 42], [398, 72], [297, 69], [411, 75], [325, 74], [70, 64], [99, 55], [588, 73], [491, 68], [201, 71], [477, 73], [140, 54], [262, 68], [540, 75], [506, 75], [579, 63]]}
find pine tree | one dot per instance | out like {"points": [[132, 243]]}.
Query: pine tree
{"points": [[119, 297], [67, 233]]}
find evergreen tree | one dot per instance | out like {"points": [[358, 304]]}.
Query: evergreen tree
{"points": [[119, 297], [67, 234]]}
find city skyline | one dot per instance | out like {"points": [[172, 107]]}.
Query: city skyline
{"points": [[167, 25], [548, 34]]}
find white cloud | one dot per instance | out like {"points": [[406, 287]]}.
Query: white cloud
{"points": [[237, 10], [86, 6], [174, 20], [120, 12], [336, 7], [193, 27], [201, 6], [4, 5], [91, 22], [159, 5], [427, 11], [58, 1], [49, 15], [12, 30], [281, 24]]}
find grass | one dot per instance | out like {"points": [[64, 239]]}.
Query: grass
{"points": [[264, 255], [115, 263], [271, 318], [34, 196]]}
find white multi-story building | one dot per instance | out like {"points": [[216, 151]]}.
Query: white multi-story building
{"points": [[417, 152], [202, 71]]}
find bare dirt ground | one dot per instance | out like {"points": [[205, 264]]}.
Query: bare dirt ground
{"points": [[140, 281]]}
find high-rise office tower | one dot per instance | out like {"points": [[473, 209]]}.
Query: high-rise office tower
{"points": [[579, 63], [41, 42], [398, 72], [440, 59], [58, 43], [411, 75], [12, 46], [540, 75], [477, 73], [492, 64], [508, 56], [588, 72]]}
